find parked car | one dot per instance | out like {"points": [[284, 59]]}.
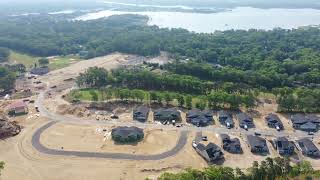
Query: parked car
{"points": [[257, 134], [204, 138], [113, 116]]}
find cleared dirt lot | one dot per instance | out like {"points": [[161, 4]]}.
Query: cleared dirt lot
{"points": [[91, 139]]}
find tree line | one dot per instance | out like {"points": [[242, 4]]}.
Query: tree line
{"points": [[269, 169], [272, 58], [298, 100], [4, 54], [214, 100], [188, 88], [7, 79]]}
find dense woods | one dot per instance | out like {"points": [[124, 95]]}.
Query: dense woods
{"points": [[7, 79], [4, 54], [235, 61], [298, 100], [133, 84], [277, 168], [259, 58]]}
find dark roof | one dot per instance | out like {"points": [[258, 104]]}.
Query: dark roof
{"points": [[273, 118], [298, 119], [210, 152], [223, 113], [141, 113], [224, 136], [308, 126], [167, 114], [142, 110], [198, 117], [40, 71], [125, 132], [231, 142], [313, 118], [283, 143], [256, 141], [244, 117], [307, 146]]}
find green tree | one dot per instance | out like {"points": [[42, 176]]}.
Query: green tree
{"points": [[189, 102], [180, 99], [1, 166], [4, 54], [43, 61]]}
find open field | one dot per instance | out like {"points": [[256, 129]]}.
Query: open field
{"points": [[20, 58], [62, 61], [91, 139], [56, 62]]}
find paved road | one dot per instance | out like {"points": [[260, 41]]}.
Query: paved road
{"points": [[41, 148], [219, 130], [180, 144]]}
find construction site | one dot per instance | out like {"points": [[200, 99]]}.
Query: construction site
{"points": [[44, 136]]}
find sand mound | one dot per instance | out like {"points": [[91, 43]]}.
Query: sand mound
{"points": [[8, 128]]}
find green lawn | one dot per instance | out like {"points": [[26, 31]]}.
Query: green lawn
{"points": [[25, 59], [62, 61], [55, 63]]}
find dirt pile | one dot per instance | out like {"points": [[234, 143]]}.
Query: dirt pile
{"points": [[73, 110], [8, 128]]}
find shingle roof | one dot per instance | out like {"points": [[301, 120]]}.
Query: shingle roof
{"points": [[125, 131], [244, 117], [256, 141], [308, 145], [17, 105]]}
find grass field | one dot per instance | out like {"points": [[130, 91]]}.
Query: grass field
{"points": [[62, 61], [29, 61], [20, 58]]}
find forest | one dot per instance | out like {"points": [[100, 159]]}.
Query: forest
{"points": [[261, 58], [233, 61], [140, 84], [276, 168]]}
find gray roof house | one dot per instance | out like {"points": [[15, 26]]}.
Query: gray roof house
{"points": [[273, 121], [245, 121], [199, 118], [210, 152], [141, 113], [308, 148], [127, 134], [39, 71], [257, 144], [230, 145], [305, 123], [284, 146], [164, 115], [225, 118]]}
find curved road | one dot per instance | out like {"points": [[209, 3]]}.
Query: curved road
{"points": [[180, 143], [41, 148], [219, 130]]}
